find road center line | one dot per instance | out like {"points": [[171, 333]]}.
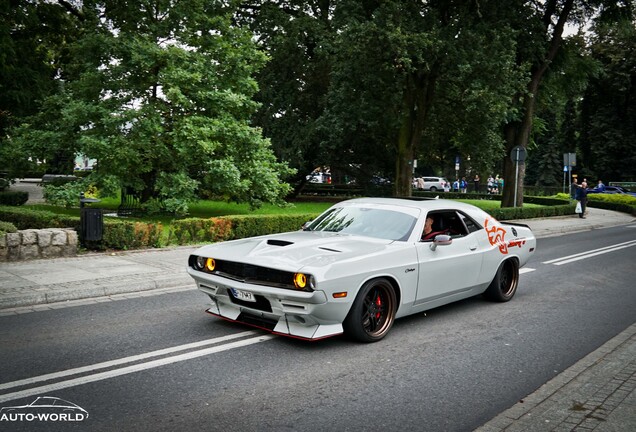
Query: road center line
{"points": [[124, 360], [130, 369], [591, 253]]}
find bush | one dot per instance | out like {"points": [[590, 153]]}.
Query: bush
{"points": [[13, 198], [25, 218], [194, 230], [129, 235], [250, 226], [7, 227]]}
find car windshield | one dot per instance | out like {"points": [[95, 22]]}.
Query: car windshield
{"points": [[366, 221]]}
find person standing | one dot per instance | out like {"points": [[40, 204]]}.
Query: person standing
{"points": [[573, 188], [581, 197], [491, 184], [600, 186], [476, 181], [463, 185]]}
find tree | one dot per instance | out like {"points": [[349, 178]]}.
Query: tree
{"points": [[43, 30], [404, 71], [608, 113], [296, 36], [162, 99]]}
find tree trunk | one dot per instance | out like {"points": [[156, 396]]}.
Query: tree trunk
{"points": [[518, 133], [416, 101]]}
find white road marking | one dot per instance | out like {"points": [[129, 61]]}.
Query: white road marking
{"points": [[128, 369], [526, 270], [591, 253]]}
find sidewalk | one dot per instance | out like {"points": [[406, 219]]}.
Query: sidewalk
{"points": [[597, 393]]}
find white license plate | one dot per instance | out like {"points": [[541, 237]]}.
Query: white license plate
{"points": [[243, 295]]}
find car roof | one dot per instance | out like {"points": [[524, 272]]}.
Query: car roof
{"points": [[424, 204]]}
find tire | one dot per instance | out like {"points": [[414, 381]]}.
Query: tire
{"points": [[373, 312], [433, 189], [504, 285]]}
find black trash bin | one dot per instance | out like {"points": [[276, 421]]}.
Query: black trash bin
{"points": [[91, 221]]}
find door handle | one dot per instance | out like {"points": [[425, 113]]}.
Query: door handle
{"points": [[472, 248]]}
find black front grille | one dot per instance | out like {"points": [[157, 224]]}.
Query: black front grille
{"points": [[254, 274]]}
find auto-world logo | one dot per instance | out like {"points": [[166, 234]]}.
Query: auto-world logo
{"points": [[44, 409]]}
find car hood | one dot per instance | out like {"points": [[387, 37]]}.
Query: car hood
{"points": [[294, 250]]}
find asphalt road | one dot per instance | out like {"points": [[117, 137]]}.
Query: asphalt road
{"points": [[450, 369]]}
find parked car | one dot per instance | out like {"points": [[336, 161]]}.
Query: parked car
{"points": [[360, 265], [613, 190], [433, 184]]}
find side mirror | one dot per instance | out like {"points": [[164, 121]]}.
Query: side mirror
{"points": [[441, 240]]}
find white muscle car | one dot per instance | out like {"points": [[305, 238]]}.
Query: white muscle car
{"points": [[360, 265]]}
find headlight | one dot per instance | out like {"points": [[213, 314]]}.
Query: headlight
{"points": [[210, 264], [302, 281], [199, 262]]}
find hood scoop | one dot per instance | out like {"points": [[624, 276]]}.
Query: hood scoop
{"points": [[274, 242]]}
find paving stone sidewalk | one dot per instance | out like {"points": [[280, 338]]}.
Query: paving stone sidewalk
{"points": [[595, 394]]}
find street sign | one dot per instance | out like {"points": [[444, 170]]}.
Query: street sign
{"points": [[518, 154], [569, 159]]}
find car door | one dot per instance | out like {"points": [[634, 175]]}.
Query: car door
{"points": [[449, 270]]}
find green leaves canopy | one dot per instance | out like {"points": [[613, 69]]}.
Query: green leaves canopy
{"points": [[163, 100]]}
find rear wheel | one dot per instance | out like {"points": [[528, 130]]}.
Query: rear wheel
{"points": [[433, 189], [504, 285], [373, 312]]}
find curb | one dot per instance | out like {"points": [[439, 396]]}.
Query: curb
{"points": [[66, 293]]}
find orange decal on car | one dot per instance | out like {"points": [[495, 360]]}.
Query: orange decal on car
{"points": [[496, 236]]}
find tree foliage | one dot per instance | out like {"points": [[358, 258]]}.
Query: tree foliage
{"points": [[162, 98]]}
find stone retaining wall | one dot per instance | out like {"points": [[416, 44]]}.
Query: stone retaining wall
{"points": [[34, 244]]}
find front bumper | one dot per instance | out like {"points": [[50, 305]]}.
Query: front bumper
{"points": [[300, 314]]}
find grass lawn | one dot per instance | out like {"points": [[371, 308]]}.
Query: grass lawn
{"points": [[206, 208]]}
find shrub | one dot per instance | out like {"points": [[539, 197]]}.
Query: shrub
{"points": [[25, 218], [194, 230], [13, 198], [250, 226], [7, 227], [129, 235]]}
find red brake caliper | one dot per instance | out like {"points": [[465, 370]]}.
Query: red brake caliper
{"points": [[378, 303]]}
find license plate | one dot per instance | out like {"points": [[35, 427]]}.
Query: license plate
{"points": [[243, 295]]}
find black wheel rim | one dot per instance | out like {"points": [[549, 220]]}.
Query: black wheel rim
{"points": [[378, 310]]}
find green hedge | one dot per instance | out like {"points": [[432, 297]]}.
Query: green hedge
{"points": [[13, 198], [126, 234], [196, 230], [25, 218]]}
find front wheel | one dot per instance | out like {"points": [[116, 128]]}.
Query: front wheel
{"points": [[373, 312], [504, 285], [433, 189]]}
